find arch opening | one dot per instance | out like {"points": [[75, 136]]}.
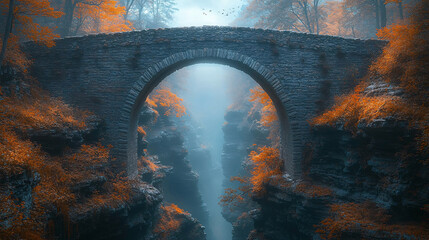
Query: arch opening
{"points": [[158, 72]]}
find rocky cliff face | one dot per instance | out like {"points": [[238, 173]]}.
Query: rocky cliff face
{"points": [[379, 164], [180, 185], [88, 214], [131, 220], [241, 132]]}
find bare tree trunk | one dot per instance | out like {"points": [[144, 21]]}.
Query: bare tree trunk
{"points": [[377, 15], [401, 11], [304, 6], [128, 6], [141, 4], [69, 7], [383, 18], [316, 14], [7, 31]]}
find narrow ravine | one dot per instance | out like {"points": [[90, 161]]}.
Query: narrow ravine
{"points": [[206, 99]]}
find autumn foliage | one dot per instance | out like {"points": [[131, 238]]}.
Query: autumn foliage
{"points": [[58, 175], [262, 103], [266, 168], [357, 107], [147, 163], [166, 102], [38, 110], [169, 222], [100, 16], [311, 190], [35, 20], [366, 219], [403, 63], [25, 27], [233, 198], [266, 163]]}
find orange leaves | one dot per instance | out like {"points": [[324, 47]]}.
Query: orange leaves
{"points": [[266, 166], [169, 222], [345, 217], [59, 176], [167, 102], [141, 131], [86, 163], [149, 164], [19, 225], [338, 20], [266, 163], [15, 57], [16, 154], [233, 197], [176, 209], [404, 59], [40, 111], [262, 103], [355, 108], [366, 218], [404, 62], [36, 8], [25, 13], [404, 42], [312, 190], [260, 99], [101, 16]]}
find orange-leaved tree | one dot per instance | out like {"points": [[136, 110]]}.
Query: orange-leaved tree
{"points": [[166, 102], [57, 175], [339, 20], [266, 167], [266, 164], [36, 109], [268, 111], [233, 198], [404, 62], [93, 16], [105, 16], [21, 24], [357, 107], [262, 103], [366, 219], [169, 222]]}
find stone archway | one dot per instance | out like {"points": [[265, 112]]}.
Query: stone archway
{"points": [[98, 72], [156, 73]]}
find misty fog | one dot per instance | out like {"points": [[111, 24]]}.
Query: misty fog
{"points": [[207, 91]]}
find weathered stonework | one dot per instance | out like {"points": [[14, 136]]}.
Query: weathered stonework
{"points": [[112, 74]]}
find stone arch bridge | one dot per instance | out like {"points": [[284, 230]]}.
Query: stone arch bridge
{"points": [[112, 74]]}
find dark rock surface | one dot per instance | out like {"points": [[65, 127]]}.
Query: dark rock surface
{"points": [[188, 228], [55, 140], [241, 132], [128, 221], [133, 219], [379, 163], [180, 184], [20, 184]]}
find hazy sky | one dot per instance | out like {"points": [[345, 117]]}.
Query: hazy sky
{"points": [[191, 12]]}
